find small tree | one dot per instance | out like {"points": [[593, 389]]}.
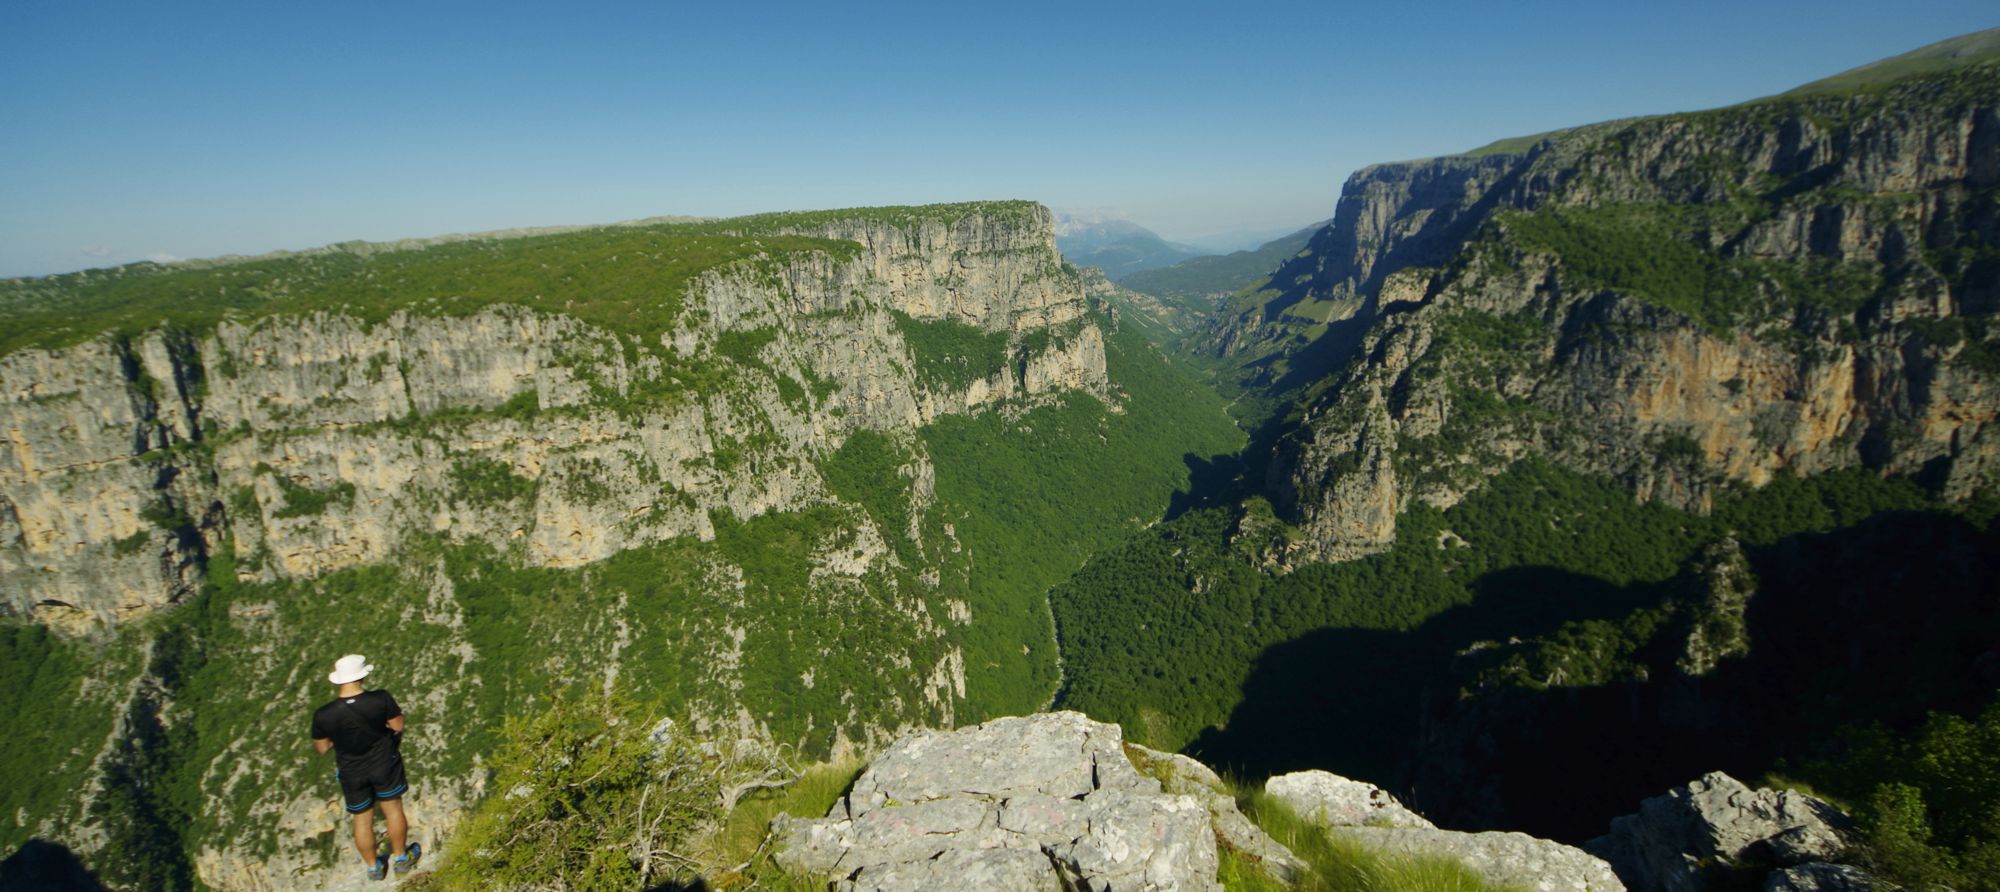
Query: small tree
{"points": [[1930, 815], [587, 796]]}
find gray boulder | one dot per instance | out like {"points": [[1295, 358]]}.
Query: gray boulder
{"points": [[1037, 802], [1184, 776], [1141, 840], [1366, 816], [1503, 859], [1334, 801], [1818, 877], [1693, 836], [1027, 870]]}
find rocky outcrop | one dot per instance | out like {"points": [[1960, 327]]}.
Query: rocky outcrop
{"points": [[1695, 837], [1363, 815], [1335, 801], [1446, 323], [1823, 878], [1514, 860], [1183, 776], [1031, 803], [1390, 218], [1717, 629], [1057, 801]]}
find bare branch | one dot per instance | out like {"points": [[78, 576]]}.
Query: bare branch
{"points": [[771, 779]]}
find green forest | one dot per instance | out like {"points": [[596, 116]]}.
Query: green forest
{"points": [[1182, 637]]}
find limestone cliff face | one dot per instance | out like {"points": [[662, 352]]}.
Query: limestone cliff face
{"points": [[1679, 303], [308, 444], [1390, 216]]}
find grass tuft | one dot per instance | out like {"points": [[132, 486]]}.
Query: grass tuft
{"points": [[1336, 864], [742, 839]]}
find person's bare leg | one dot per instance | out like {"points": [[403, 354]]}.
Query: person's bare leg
{"points": [[399, 827], [364, 835]]}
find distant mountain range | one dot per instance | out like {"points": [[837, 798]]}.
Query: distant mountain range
{"points": [[1119, 247], [1219, 274], [1233, 240]]}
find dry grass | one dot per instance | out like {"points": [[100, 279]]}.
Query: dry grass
{"points": [[1335, 864], [739, 852]]}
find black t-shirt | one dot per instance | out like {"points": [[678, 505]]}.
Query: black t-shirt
{"points": [[358, 727]]}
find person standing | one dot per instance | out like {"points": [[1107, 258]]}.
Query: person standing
{"points": [[365, 731]]}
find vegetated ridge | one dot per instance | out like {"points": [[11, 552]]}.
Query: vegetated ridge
{"points": [[1943, 56]]}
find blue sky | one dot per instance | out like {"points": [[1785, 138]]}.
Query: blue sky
{"points": [[134, 130]]}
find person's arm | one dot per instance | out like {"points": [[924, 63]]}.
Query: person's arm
{"points": [[395, 721], [322, 735]]}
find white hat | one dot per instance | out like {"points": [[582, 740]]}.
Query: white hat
{"points": [[353, 667]]}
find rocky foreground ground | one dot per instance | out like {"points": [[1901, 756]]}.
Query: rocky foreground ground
{"points": [[1056, 801]]}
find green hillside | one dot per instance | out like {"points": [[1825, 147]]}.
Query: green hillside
{"points": [[1965, 49], [1513, 145], [1945, 55], [1183, 665]]}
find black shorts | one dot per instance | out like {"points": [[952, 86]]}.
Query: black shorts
{"points": [[365, 785]]}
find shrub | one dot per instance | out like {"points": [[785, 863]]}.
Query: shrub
{"points": [[951, 355], [740, 848], [745, 347], [594, 793], [483, 481], [304, 501], [1930, 814]]}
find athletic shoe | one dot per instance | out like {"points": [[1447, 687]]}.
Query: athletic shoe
{"points": [[408, 860], [380, 868]]}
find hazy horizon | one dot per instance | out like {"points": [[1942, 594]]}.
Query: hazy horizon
{"points": [[140, 132]]}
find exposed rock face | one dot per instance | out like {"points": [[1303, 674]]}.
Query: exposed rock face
{"points": [[1688, 838], [1181, 775], [1363, 814], [431, 816], [1822, 878], [1038, 802], [1442, 332], [1335, 801], [1509, 859], [124, 462], [1390, 217]]}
